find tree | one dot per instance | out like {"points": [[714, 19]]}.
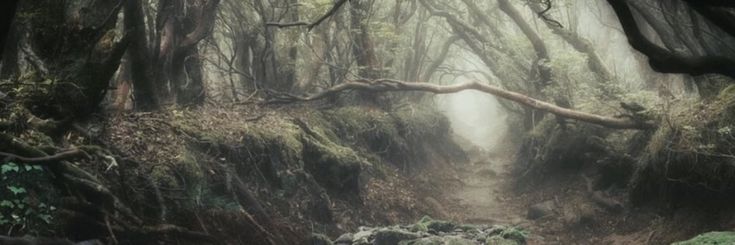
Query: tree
{"points": [[166, 66], [668, 61], [74, 56], [8, 13]]}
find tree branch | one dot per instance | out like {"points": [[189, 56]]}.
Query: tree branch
{"points": [[287, 24], [722, 18], [329, 13], [207, 13], [663, 60], [385, 85], [311, 25]]}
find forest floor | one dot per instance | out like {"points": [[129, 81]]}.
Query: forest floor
{"points": [[485, 191]]}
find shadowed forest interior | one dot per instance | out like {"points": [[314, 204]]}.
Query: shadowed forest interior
{"points": [[367, 122]]}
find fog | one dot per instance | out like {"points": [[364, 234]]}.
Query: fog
{"points": [[477, 117]]}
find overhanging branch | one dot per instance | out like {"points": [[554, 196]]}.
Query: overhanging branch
{"points": [[663, 60], [311, 25], [386, 85]]}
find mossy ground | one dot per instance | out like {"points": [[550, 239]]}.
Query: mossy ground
{"points": [[322, 170], [711, 238]]}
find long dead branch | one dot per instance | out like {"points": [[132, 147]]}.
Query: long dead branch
{"points": [[386, 85]]}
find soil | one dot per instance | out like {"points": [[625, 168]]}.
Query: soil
{"points": [[485, 192]]}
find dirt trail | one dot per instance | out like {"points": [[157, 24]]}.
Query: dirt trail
{"points": [[482, 194]]}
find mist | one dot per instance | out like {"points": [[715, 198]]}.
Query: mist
{"points": [[367, 122], [476, 117]]}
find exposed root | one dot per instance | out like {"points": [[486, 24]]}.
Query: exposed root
{"points": [[599, 197]]}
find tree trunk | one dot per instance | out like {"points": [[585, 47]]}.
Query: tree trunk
{"points": [[144, 97], [82, 63], [363, 49], [8, 14], [10, 54]]}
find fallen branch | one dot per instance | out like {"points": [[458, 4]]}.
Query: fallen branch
{"points": [[385, 85]]}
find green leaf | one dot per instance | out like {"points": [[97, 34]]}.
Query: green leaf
{"points": [[10, 166], [6, 203], [16, 190], [45, 217]]}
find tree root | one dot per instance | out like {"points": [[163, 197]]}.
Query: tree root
{"points": [[63, 155], [259, 214], [146, 232], [96, 195], [599, 197]]}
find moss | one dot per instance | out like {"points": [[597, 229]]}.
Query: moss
{"points": [[192, 177], [267, 151], [711, 238], [434, 225], [373, 129], [688, 159], [499, 234], [438, 241], [334, 166], [162, 176], [515, 234]]}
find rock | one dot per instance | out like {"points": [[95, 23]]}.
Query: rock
{"points": [[344, 239], [439, 233], [451, 240], [718, 237], [436, 226], [498, 240], [363, 237], [541, 209], [317, 239], [390, 236]]}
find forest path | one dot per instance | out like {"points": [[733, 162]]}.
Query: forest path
{"points": [[483, 195]]}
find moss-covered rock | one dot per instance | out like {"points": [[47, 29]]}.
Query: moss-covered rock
{"points": [[711, 238], [439, 241], [389, 236], [435, 226]]}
